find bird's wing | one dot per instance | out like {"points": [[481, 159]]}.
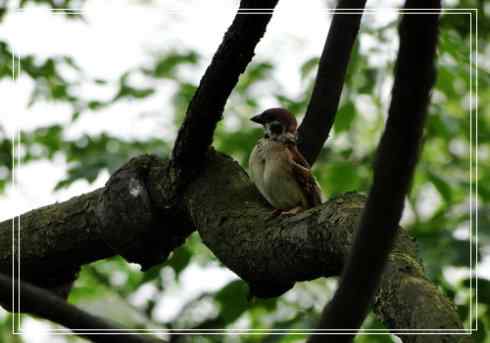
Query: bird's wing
{"points": [[297, 156], [302, 174]]}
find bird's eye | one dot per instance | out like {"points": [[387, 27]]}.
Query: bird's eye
{"points": [[276, 128]]}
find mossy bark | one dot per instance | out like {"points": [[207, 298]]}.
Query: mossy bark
{"points": [[269, 252], [272, 253], [53, 241]]}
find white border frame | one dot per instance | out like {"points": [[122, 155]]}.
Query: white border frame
{"points": [[473, 206]]}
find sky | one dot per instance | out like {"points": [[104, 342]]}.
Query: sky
{"points": [[116, 36]]}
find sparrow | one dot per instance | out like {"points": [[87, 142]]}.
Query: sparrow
{"points": [[277, 168]]}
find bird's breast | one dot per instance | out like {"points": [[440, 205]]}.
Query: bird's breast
{"points": [[271, 171]]}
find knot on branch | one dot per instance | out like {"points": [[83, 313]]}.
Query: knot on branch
{"points": [[130, 221]]}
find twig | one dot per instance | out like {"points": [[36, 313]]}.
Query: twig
{"points": [[39, 302]]}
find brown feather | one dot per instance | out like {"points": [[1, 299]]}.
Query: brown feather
{"points": [[297, 156], [302, 174]]}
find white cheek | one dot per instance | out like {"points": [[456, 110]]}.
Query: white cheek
{"points": [[267, 129]]}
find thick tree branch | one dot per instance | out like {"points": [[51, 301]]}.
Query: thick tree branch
{"points": [[320, 114], [120, 219], [44, 304], [393, 170], [271, 254], [207, 105], [48, 235]]}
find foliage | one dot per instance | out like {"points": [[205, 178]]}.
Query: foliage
{"points": [[438, 202]]}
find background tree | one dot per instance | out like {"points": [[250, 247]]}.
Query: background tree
{"points": [[343, 166]]}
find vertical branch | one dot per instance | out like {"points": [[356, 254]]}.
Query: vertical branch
{"points": [[320, 114], [206, 107], [393, 170]]}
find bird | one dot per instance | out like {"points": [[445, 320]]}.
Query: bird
{"points": [[277, 168]]}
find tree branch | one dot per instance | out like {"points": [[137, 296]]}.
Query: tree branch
{"points": [[320, 114], [206, 108], [39, 302], [393, 171], [271, 254], [50, 233], [52, 242]]}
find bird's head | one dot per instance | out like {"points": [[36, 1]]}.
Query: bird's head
{"points": [[279, 124]]}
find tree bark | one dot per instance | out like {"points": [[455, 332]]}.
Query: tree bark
{"points": [[53, 241], [269, 253], [396, 158], [206, 107], [272, 253], [320, 114]]}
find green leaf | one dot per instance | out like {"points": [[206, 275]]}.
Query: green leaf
{"points": [[354, 64], [95, 105], [483, 289], [441, 185], [480, 336], [181, 99], [344, 117], [167, 66], [232, 299], [180, 260], [75, 115], [126, 91], [254, 73], [340, 177], [368, 80], [294, 106], [309, 66], [152, 274]]}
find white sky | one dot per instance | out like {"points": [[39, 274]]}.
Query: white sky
{"points": [[117, 36]]}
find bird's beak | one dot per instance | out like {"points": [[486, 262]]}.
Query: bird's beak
{"points": [[257, 119]]}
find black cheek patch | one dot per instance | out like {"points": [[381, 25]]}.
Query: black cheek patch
{"points": [[276, 128]]}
